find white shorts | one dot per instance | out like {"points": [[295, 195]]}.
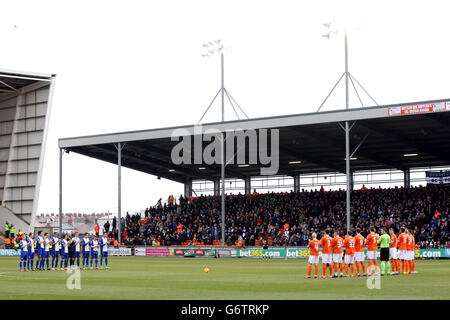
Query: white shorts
{"points": [[410, 255], [403, 254], [349, 259], [337, 257], [359, 256], [313, 260], [372, 255], [326, 258], [393, 253]]}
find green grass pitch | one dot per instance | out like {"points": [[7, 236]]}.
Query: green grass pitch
{"points": [[183, 278]]}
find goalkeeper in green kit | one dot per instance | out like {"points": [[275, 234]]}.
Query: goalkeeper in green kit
{"points": [[383, 241]]}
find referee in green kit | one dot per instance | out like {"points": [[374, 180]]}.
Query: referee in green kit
{"points": [[383, 241]]}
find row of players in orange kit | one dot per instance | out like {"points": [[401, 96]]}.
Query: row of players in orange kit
{"points": [[401, 253]]}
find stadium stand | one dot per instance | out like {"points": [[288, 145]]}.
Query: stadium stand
{"points": [[287, 219]]}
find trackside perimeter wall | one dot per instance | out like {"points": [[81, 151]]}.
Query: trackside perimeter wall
{"points": [[208, 252], [257, 252]]}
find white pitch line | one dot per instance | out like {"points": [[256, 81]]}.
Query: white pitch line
{"points": [[2, 274]]}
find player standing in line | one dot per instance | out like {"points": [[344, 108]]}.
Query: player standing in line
{"points": [[23, 244], [46, 251], [40, 248], [55, 250], [349, 257], [85, 244], [71, 248], [313, 256], [325, 243], [30, 260], [384, 241], [410, 248], [77, 252], [393, 244], [64, 253], [104, 243], [359, 252], [94, 251], [337, 243], [402, 249], [371, 240]]}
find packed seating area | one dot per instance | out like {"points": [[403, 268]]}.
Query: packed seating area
{"points": [[288, 219]]}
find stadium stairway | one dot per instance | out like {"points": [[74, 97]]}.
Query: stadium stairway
{"points": [[7, 215]]}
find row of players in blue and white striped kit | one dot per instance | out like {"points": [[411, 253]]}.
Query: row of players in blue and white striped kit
{"points": [[68, 247]]}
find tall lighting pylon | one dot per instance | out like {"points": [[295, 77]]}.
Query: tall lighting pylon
{"points": [[331, 31], [214, 47]]}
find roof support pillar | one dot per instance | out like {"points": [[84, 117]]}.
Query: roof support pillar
{"points": [[352, 181], [61, 152], [119, 190], [297, 182], [216, 187], [407, 177], [188, 188], [248, 185]]}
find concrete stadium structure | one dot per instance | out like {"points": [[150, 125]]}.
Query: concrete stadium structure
{"points": [[25, 104]]}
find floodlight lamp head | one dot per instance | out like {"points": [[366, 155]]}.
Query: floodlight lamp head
{"points": [[214, 46]]}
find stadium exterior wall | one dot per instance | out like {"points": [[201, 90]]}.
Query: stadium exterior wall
{"points": [[25, 116]]}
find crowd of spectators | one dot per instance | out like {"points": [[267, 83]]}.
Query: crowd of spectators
{"points": [[288, 219]]}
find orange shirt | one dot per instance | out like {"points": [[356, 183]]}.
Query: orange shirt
{"points": [[314, 247], [394, 241], [359, 243], [337, 244], [410, 245], [402, 241], [325, 243], [349, 245], [371, 240]]}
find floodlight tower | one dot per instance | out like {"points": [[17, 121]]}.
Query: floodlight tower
{"points": [[213, 47], [334, 31]]}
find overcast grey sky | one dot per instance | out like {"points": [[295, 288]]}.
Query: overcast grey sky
{"points": [[128, 65]]}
